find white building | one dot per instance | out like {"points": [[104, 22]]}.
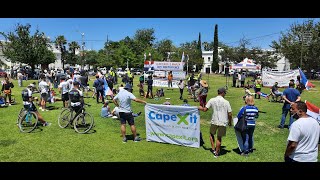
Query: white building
{"points": [[207, 57], [282, 64], [56, 65]]}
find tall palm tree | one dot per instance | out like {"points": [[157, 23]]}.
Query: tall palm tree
{"points": [[60, 43], [72, 47]]}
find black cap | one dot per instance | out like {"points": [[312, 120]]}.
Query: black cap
{"points": [[128, 86], [222, 90], [76, 83]]}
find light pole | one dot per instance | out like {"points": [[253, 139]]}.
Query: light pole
{"points": [[226, 72], [208, 75], [128, 63], [82, 47]]}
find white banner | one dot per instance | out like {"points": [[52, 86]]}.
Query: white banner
{"points": [[178, 125], [168, 66], [177, 75], [282, 77], [164, 83]]}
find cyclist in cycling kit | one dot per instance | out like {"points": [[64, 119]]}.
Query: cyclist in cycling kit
{"points": [[28, 104], [76, 98]]}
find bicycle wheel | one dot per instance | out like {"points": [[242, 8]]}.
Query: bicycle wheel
{"points": [[21, 112], [83, 123], [28, 122], [64, 118]]}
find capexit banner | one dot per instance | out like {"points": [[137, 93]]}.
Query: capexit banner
{"points": [[282, 77], [172, 124]]}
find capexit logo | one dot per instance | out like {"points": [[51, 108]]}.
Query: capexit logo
{"points": [[166, 117]]}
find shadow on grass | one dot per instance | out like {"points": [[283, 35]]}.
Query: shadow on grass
{"points": [[223, 150], [5, 143], [237, 150], [130, 137], [52, 108], [91, 131]]}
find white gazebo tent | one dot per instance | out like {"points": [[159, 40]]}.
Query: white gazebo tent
{"points": [[245, 64]]}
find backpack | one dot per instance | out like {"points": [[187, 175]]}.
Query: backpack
{"points": [[74, 96], [25, 95]]}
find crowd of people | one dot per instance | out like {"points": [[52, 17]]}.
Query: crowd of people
{"points": [[72, 85]]}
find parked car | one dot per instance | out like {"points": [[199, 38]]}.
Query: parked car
{"points": [[2, 73], [121, 73], [92, 73]]}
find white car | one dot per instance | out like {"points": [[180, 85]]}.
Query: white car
{"points": [[121, 73], [103, 70]]}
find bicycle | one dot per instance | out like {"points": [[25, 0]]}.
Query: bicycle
{"points": [[27, 120], [82, 123]]}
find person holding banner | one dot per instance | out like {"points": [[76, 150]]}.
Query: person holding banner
{"points": [[221, 116], [125, 112]]}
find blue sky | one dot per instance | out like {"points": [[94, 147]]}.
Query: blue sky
{"points": [[260, 31]]}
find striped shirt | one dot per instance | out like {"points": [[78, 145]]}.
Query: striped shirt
{"points": [[252, 112]]}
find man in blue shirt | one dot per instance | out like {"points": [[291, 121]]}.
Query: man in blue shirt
{"points": [[99, 86], [125, 112], [290, 96]]}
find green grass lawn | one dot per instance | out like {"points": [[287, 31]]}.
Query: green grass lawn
{"points": [[104, 143]]}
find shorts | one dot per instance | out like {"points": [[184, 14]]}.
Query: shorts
{"points": [[65, 97], [221, 130], [76, 109], [126, 117], [31, 106], [44, 96]]}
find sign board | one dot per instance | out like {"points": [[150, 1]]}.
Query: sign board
{"points": [[171, 124], [282, 77]]}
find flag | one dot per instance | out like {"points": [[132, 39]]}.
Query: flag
{"points": [[313, 111], [107, 91], [182, 58], [304, 80]]}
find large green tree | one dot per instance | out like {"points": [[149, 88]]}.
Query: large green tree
{"points": [[265, 59], [191, 52], [21, 46], [72, 58], [163, 47], [300, 45], [199, 55], [215, 59], [92, 58]]}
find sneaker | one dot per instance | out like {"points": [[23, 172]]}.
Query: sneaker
{"points": [[246, 153], [40, 107], [47, 124], [281, 127], [9, 104], [137, 139], [124, 140]]}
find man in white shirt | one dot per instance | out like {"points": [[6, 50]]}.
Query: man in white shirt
{"points": [[64, 90], [221, 116], [303, 136], [125, 112], [44, 92]]}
